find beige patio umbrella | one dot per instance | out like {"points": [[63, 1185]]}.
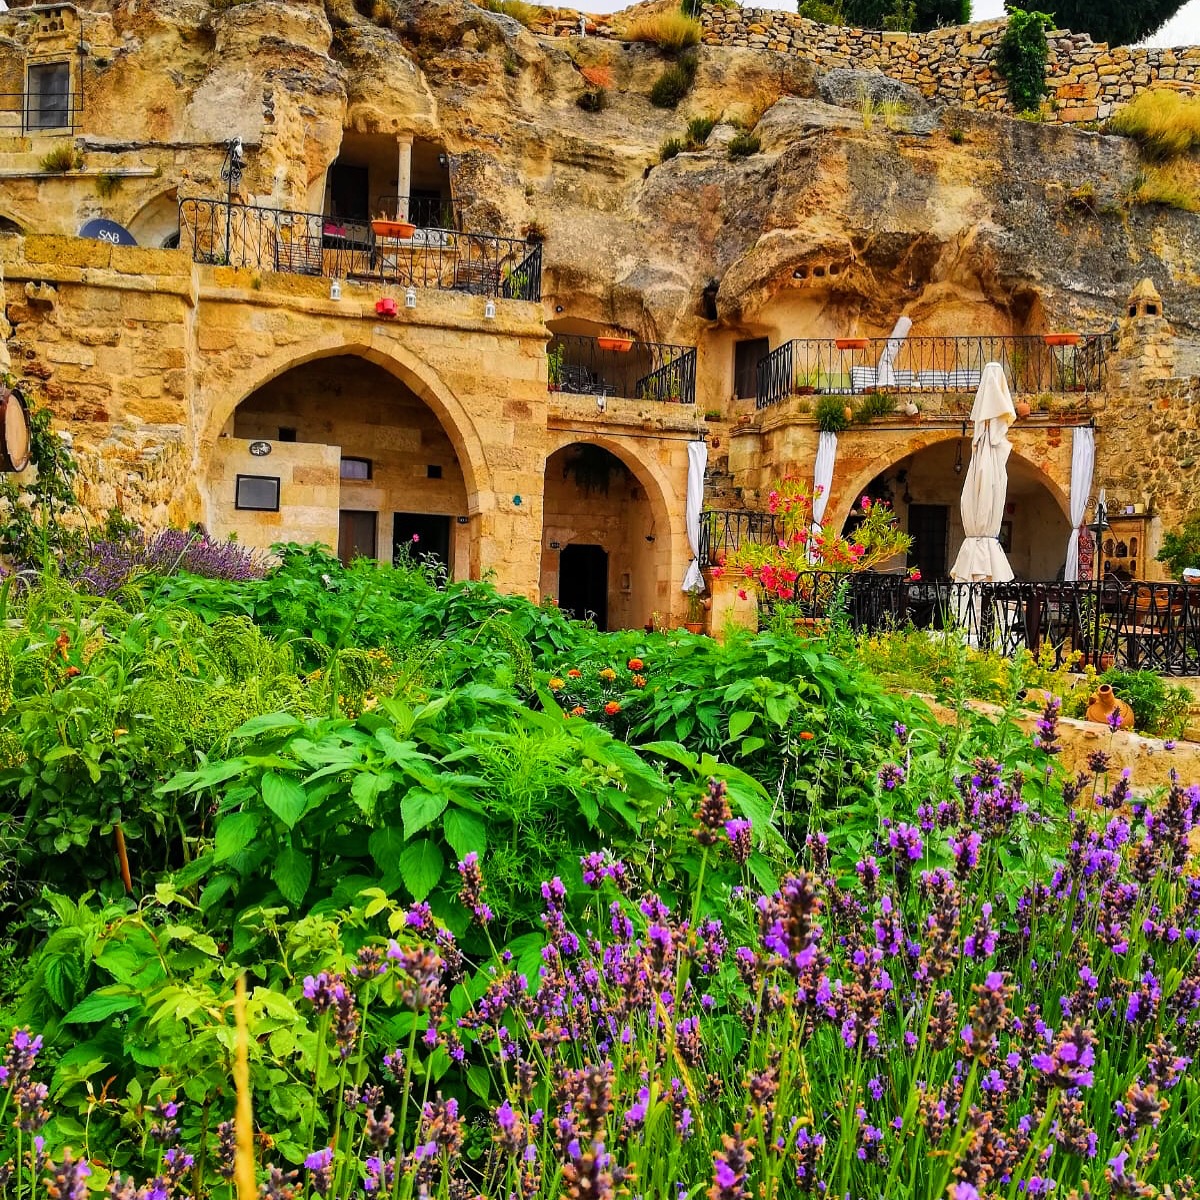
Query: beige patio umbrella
{"points": [[981, 556]]}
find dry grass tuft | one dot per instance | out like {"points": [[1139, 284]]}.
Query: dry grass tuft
{"points": [[1165, 123], [667, 30], [1175, 185], [524, 14]]}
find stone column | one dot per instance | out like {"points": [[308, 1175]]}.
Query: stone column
{"points": [[404, 143]]}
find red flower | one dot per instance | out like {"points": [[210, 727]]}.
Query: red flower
{"points": [[573, 673], [806, 736], [636, 664], [612, 708]]}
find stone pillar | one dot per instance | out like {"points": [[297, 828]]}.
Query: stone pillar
{"points": [[1145, 343], [729, 609], [404, 143]]}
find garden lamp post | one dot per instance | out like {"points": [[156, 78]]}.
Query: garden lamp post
{"points": [[231, 172], [1097, 527]]}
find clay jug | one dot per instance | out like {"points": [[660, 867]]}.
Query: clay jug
{"points": [[1105, 703]]}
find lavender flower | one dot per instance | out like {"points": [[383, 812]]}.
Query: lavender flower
{"points": [[738, 832], [320, 1168]]}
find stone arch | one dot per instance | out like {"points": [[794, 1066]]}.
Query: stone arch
{"points": [[665, 543], [848, 488], [10, 225], [417, 376], [156, 223]]}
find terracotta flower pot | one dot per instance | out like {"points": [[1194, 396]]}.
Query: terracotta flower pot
{"points": [[1105, 702], [852, 343], [1023, 409], [384, 228], [848, 413], [620, 344], [1061, 339], [694, 626]]}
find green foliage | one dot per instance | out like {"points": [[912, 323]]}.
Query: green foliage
{"points": [[674, 83], [873, 405], [33, 505], [743, 144], [108, 184], [1158, 710], [828, 12], [698, 130], [1118, 22], [830, 412], [1021, 57], [906, 14], [1181, 547]]}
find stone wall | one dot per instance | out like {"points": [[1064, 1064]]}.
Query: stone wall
{"points": [[954, 65]]}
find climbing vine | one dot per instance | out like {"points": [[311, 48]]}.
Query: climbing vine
{"points": [[1022, 55]]}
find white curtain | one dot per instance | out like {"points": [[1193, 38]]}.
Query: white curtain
{"points": [[885, 375], [693, 580], [1083, 463], [822, 482]]}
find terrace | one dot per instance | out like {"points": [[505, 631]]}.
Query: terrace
{"points": [[405, 254], [1136, 625], [621, 367], [933, 370]]}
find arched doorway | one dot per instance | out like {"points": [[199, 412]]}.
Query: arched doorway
{"points": [[157, 222], [338, 450], [925, 487], [603, 550]]}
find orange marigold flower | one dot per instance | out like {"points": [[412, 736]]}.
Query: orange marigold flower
{"points": [[636, 664], [556, 684], [612, 708], [578, 710], [608, 674], [72, 672], [639, 681], [573, 673], [807, 736]]}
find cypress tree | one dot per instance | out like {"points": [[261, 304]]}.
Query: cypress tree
{"points": [[1118, 22]]}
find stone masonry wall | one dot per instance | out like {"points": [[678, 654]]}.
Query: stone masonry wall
{"points": [[1087, 79]]}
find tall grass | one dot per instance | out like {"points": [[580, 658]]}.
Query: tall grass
{"points": [[670, 31], [1172, 184], [1164, 123], [522, 13]]}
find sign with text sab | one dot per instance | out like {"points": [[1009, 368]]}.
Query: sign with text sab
{"points": [[101, 230]]}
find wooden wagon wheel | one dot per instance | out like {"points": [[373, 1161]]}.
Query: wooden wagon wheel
{"points": [[15, 442]]}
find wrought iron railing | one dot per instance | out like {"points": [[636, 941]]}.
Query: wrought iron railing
{"points": [[426, 212], [626, 367], [23, 113], [724, 531], [1135, 626], [271, 239], [933, 367]]}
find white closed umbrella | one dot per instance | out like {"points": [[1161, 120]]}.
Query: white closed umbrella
{"points": [[885, 375], [980, 556]]}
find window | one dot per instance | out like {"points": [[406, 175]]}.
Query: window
{"points": [[287, 433], [258, 493], [745, 366], [433, 471], [48, 97], [356, 468]]}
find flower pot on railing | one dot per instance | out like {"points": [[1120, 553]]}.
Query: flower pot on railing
{"points": [[1061, 339], [852, 343], [619, 344], [385, 228]]}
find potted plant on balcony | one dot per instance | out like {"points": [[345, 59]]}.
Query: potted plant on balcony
{"points": [[554, 365], [1061, 339], [695, 613], [833, 414], [852, 343], [384, 226], [615, 340]]}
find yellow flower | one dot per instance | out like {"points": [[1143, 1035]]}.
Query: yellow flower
{"points": [[556, 684], [120, 732], [608, 674]]}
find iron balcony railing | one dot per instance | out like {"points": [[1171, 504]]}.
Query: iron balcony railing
{"points": [[426, 212], [932, 367], [626, 367], [301, 243], [722, 531], [1137, 626], [23, 113]]}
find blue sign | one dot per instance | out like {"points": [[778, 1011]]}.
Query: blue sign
{"points": [[101, 230]]}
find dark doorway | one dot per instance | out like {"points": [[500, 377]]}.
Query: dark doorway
{"points": [[431, 534], [745, 366], [349, 195], [356, 535], [583, 583], [929, 527]]}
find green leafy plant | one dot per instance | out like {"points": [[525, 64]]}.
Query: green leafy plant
{"points": [[1158, 709], [1021, 57], [874, 405], [827, 12], [743, 144], [1181, 547], [830, 412], [672, 147], [675, 82], [698, 130]]}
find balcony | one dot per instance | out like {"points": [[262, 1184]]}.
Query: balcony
{"points": [[936, 368], [301, 243], [622, 367]]}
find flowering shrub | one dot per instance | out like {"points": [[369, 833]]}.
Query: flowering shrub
{"points": [[594, 691], [104, 565], [899, 1029], [803, 562]]}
